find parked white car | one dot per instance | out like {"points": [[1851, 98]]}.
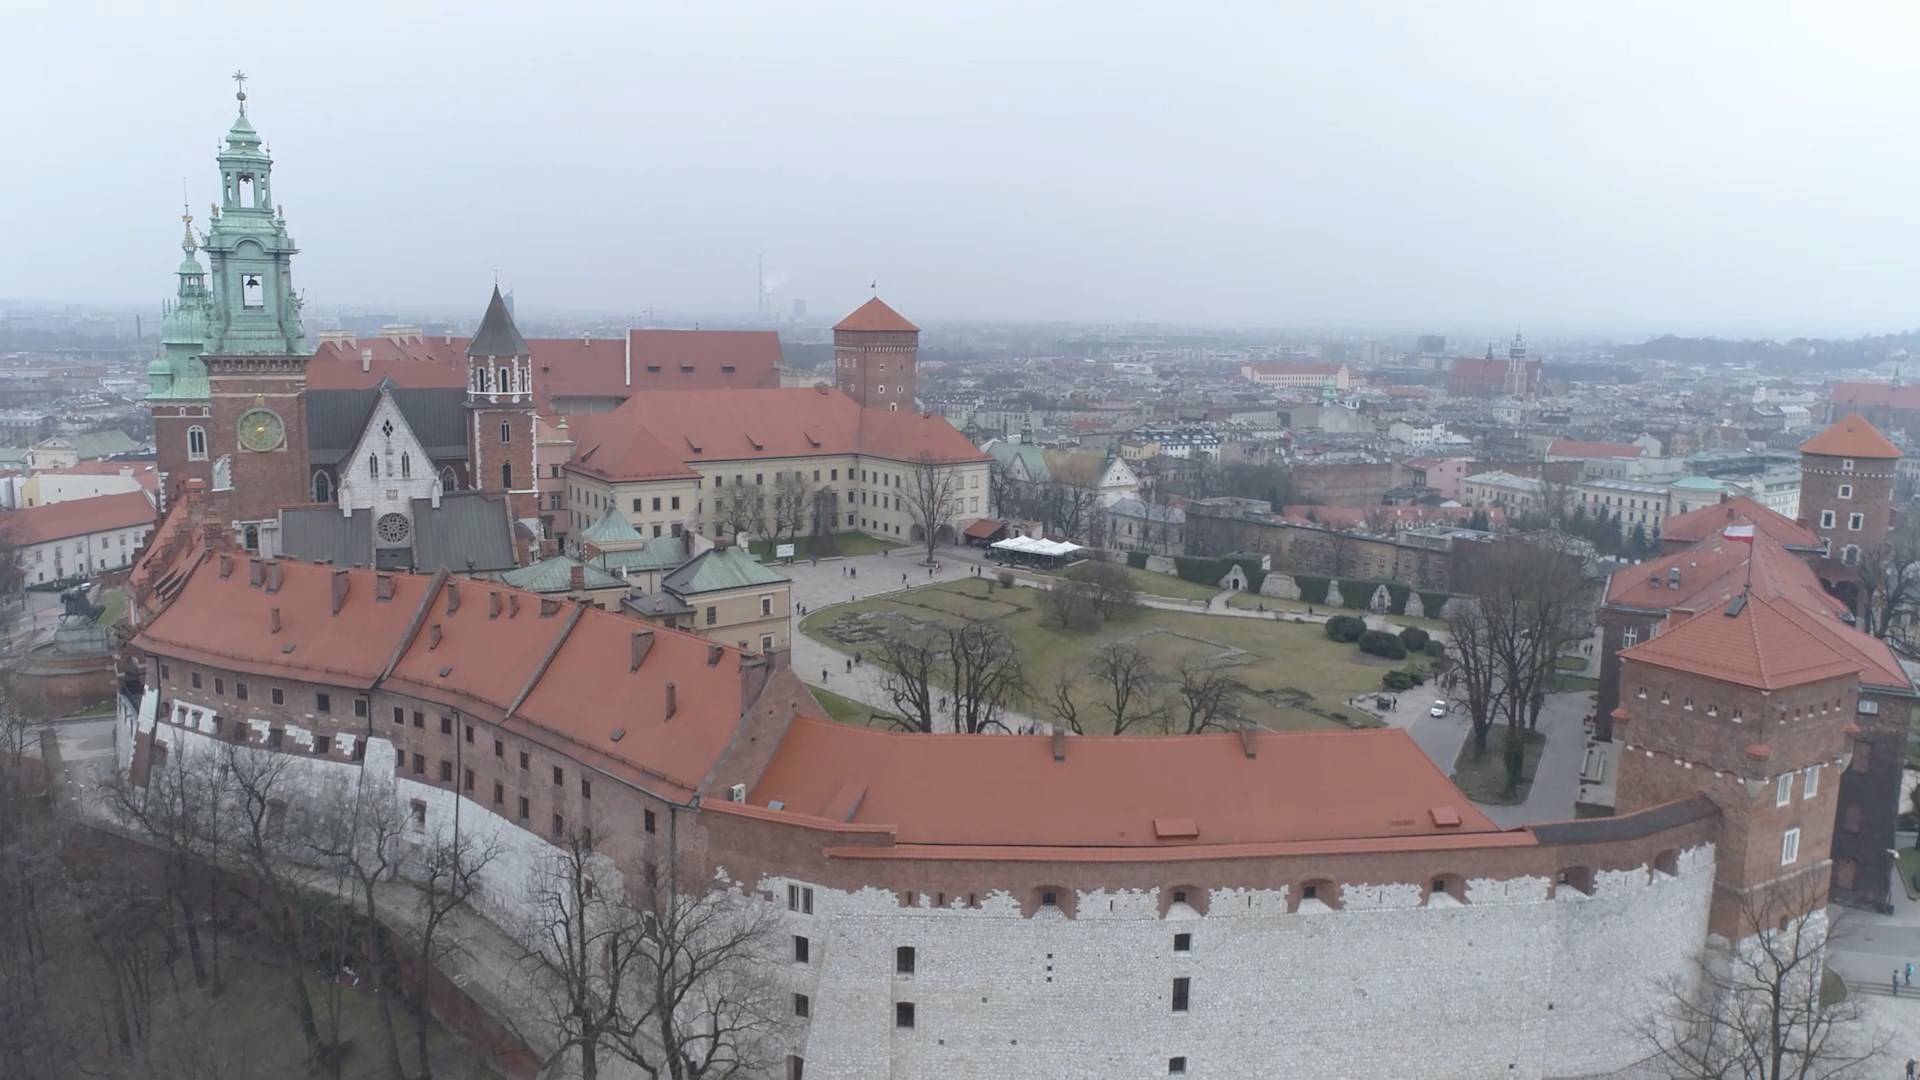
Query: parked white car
{"points": [[1439, 709]]}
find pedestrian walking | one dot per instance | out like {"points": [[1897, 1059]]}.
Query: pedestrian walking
{"points": [[1909, 979], [853, 571], [1913, 1069], [823, 674], [929, 571], [849, 667], [1896, 982], [903, 579]]}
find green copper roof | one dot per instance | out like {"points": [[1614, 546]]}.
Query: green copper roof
{"points": [[556, 575], [1032, 458], [718, 570], [659, 553], [612, 528], [1699, 483]]}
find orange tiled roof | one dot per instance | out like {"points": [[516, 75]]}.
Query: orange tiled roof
{"points": [[483, 659], [1715, 571], [1710, 521], [78, 517], [875, 316], [1007, 790], [1851, 436], [1762, 645]]}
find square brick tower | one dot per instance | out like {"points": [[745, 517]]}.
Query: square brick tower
{"points": [[875, 354], [1846, 495], [1748, 706], [500, 428]]}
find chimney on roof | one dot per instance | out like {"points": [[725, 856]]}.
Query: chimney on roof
{"points": [[549, 608], [642, 644], [493, 603], [673, 700], [273, 620], [366, 360], [340, 584], [273, 576], [453, 596], [1059, 745], [1723, 498], [226, 565], [713, 655], [433, 636], [577, 577], [1247, 746], [256, 573], [383, 587]]}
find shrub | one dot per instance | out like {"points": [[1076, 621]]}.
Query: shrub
{"points": [[1397, 680], [1137, 560], [1432, 602], [1382, 643], [1414, 638], [1345, 628], [1436, 649], [1109, 588], [1005, 578], [1313, 590]]}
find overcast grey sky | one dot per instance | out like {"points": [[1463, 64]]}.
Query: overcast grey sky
{"points": [[1611, 167]]}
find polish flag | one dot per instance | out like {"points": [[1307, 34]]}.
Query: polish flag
{"points": [[1739, 534]]}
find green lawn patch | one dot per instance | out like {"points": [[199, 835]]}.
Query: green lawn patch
{"points": [[1485, 781], [1150, 583], [1909, 866], [114, 605], [848, 711], [846, 543], [1569, 663], [1566, 684], [1299, 679]]}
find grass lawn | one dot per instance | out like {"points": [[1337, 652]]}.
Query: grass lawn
{"points": [[1152, 584], [1564, 683], [1569, 663], [1909, 866], [1485, 781], [1254, 601], [846, 543], [1300, 679], [848, 711], [114, 602]]}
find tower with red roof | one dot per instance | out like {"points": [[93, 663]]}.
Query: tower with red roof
{"points": [[1846, 497], [875, 353]]}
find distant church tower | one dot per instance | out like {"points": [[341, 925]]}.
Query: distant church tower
{"points": [[256, 351], [500, 430], [875, 353], [1847, 475], [177, 380]]}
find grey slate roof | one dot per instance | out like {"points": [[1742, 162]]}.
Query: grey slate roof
{"points": [[337, 418], [497, 335], [470, 531]]}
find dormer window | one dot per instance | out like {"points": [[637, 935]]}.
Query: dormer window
{"points": [[1846, 464], [1643, 693], [1688, 705], [1666, 698], [1713, 710]]}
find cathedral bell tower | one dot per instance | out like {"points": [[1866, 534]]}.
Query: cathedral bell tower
{"points": [[500, 429], [256, 354], [177, 379]]}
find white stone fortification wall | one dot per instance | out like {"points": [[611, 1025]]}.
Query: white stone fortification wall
{"points": [[1510, 984]]}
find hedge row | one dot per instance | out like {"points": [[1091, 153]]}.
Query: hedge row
{"points": [[1137, 560], [1209, 571]]}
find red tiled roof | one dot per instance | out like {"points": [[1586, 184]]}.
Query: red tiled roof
{"points": [[1710, 521], [875, 316], [1007, 790], [1851, 436], [78, 517], [483, 661], [1763, 646], [563, 367], [1296, 369], [1579, 449], [736, 425], [1856, 395], [622, 452], [1715, 571]]}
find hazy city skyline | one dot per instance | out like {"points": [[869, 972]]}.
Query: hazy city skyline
{"points": [[1617, 170]]}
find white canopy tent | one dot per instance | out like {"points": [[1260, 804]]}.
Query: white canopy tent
{"points": [[1026, 549]]}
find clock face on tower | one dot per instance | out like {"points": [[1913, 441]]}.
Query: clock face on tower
{"points": [[261, 430]]}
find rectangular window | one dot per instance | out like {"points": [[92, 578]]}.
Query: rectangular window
{"points": [[524, 815], [399, 715], [800, 899], [903, 1014], [1862, 756], [499, 793], [802, 949], [1783, 790], [322, 744], [446, 772], [323, 702], [163, 668], [467, 780], [194, 678], [419, 764], [499, 749], [469, 728], [1812, 786], [559, 825], [419, 719], [713, 615], [219, 686], [637, 501], [801, 1006], [360, 707], [903, 960], [1846, 491], [647, 821], [586, 788], [1176, 1066], [559, 775], [1182, 943], [1826, 519], [523, 759], [240, 690], [279, 696], [1789, 847], [766, 605], [1856, 521], [1181, 987], [446, 725], [674, 504]]}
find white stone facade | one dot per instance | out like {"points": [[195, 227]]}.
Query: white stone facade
{"points": [[387, 471], [1509, 984]]}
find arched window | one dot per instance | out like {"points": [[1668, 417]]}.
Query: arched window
{"points": [[506, 432], [506, 475], [196, 444], [373, 465], [486, 380], [506, 380], [525, 375], [448, 482], [406, 465], [322, 487]]}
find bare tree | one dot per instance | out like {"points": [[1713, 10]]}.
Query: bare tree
{"points": [[13, 572], [911, 657], [1061, 701], [1474, 674], [1209, 698], [741, 507], [933, 498], [1068, 602], [983, 674], [1890, 583], [1753, 1010], [178, 812], [792, 504], [1128, 681], [1339, 550], [1109, 588], [1004, 496], [575, 950], [449, 874], [1535, 604], [360, 831]]}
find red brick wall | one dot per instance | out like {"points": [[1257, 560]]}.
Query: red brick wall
{"points": [[858, 357], [262, 482]]}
